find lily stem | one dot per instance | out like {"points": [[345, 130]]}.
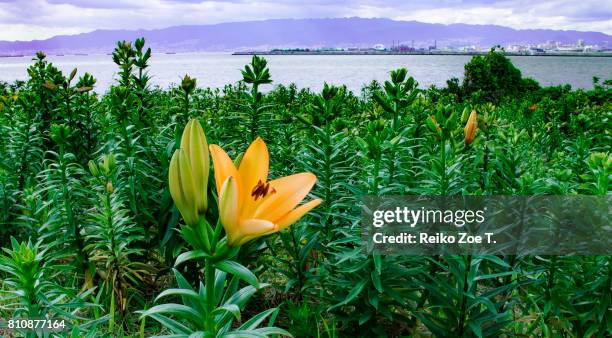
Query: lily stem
{"points": [[210, 294], [209, 275]]}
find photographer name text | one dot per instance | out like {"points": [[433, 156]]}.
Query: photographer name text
{"points": [[433, 238]]}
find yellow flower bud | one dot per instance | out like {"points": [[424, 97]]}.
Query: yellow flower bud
{"points": [[182, 187], [195, 148], [470, 128], [109, 187]]}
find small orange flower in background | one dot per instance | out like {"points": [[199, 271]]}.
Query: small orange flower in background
{"points": [[533, 107], [250, 206], [470, 128]]}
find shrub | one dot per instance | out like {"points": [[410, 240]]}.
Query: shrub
{"points": [[495, 77]]}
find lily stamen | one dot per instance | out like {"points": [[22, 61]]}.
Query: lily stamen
{"points": [[261, 190]]}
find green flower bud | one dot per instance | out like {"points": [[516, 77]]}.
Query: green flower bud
{"points": [[182, 188], [195, 148]]}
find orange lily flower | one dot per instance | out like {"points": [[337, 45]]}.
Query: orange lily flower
{"points": [[249, 205]]}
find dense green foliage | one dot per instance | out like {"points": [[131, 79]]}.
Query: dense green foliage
{"points": [[490, 78], [90, 233]]}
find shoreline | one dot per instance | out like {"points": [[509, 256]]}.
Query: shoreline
{"points": [[606, 54], [339, 53]]}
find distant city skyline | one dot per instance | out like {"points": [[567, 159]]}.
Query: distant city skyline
{"points": [[42, 19]]}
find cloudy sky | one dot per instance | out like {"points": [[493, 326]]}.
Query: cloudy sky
{"points": [[40, 19]]}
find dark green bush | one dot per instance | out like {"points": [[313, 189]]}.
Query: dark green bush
{"points": [[493, 77]]}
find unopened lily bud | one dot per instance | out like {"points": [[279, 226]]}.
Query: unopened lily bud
{"points": [[464, 115], [188, 84], [139, 43], [109, 187], [470, 128], [182, 188], [433, 126], [84, 89], [59, 133], [108, 164], [72, 74], [49, 85], [93, 168], [195, 148]]}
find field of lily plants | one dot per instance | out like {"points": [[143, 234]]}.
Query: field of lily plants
{"points": [[235, 212]]}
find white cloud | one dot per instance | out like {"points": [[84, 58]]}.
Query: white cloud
{"points": [[39, 19]]}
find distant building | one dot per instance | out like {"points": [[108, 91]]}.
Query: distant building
{"points": [[402, 48], [379, 46], [468, 48], [536, 50], [515, 48], [592, 48]]}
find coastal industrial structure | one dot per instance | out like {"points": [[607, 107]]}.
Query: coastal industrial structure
{"points": [[549, 48]]}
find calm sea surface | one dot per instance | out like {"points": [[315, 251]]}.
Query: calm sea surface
{"points": [[216, 69]]}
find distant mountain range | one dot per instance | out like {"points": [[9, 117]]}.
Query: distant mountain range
{"points": [[300, 33]]}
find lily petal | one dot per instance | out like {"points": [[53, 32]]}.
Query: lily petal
{"points": [[228, 208], [297, 213], [290, 191], [224, 167], [253, 228], [255, 164], [253, 168]]}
